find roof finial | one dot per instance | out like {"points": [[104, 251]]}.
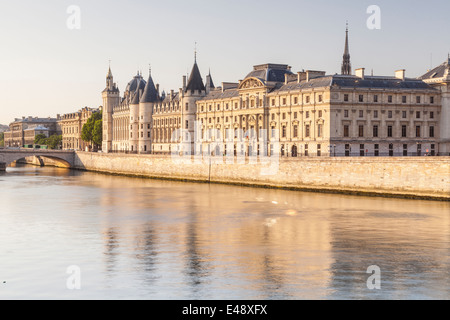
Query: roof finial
{"points": [[149, 69]]}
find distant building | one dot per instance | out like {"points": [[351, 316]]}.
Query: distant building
{"points": [[273, 110], [23, 131], [71, 126]]}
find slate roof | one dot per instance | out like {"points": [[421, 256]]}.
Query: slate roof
{"points": [[195, 81], [437, 72], [345, 81], [269, 72], [150, 94], [218, 94]]}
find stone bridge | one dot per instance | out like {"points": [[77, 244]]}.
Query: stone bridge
{"points": [[64, 157]]}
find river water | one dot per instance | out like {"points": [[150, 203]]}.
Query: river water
{"points": [[79, 235]]}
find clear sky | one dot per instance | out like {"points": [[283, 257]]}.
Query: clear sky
{"points": [[47, 68]]}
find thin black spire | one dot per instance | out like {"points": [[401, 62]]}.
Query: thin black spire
{"points": [[346, 64]]}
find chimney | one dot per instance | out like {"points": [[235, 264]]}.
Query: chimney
{"points": [[285, 78], [171, 95], [301, 76], [400, 74], [157, 89], [312, 74], [184, 83], [360, 73]]}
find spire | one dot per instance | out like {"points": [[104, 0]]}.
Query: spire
{"points": [[209, 82], [195, 53], [150, 93], [195, 81], [346, 65]]}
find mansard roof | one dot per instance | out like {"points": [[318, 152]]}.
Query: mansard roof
{"points": [[195, 81], [349, 81], [218, 94], [437, 72], [269, 72]]}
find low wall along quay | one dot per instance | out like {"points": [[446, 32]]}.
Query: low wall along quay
{"points": [[410, 177]]}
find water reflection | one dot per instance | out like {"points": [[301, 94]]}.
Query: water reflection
{"points": [[140, 238]]}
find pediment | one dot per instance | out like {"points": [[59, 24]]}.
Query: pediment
{"points": [[251, 83]]}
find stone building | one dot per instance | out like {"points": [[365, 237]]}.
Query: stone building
{"points": [[274, 110], [23, 131], [71, 126]]}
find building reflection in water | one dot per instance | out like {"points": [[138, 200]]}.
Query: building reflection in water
{"points": [[185, 240]]}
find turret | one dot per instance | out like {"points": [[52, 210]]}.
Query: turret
{"points": [[147, 101], [111, 99]]}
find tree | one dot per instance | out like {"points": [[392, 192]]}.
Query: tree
{"points": [[92, 129], [54, 141], [2, 139], [40, 139], [97, 132]]}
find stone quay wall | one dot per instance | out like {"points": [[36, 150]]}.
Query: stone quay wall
{"points": [[410, 177]]}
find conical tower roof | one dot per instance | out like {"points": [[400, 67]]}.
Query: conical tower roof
{"points": [[150, 94], [195, 81]]}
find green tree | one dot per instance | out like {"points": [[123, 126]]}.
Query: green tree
{"points": [[97, 132], [40, 139], [2, 139], [92, 129], [54, 141]]}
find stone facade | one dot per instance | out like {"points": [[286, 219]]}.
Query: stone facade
{"points": [[71, 126], [23, 131], [425, 177], [275, 111]]}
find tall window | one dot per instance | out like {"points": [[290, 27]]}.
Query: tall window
{"points": [[417, 131], [375, 114], [346, 131], [390, 114], [307, 133], [375, 131], [390, 99], [403, 99], [404, 131], [361, 113], [283, 132], [418, 99], [417, 114], [345, 113], [389, 131], [431, 131], [187, 124], [404, 114], [361, 98], [361, 131], [319, 130], [187, 106], [375, 98], [345, 97], [295, 131]]}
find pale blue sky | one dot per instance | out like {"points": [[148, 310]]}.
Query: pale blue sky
{"points": [[46, 68]]}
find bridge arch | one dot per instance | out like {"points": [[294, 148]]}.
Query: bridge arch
{"points": [[62, 158]]}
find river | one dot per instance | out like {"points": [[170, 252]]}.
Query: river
{"points": [[80, 235]]}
